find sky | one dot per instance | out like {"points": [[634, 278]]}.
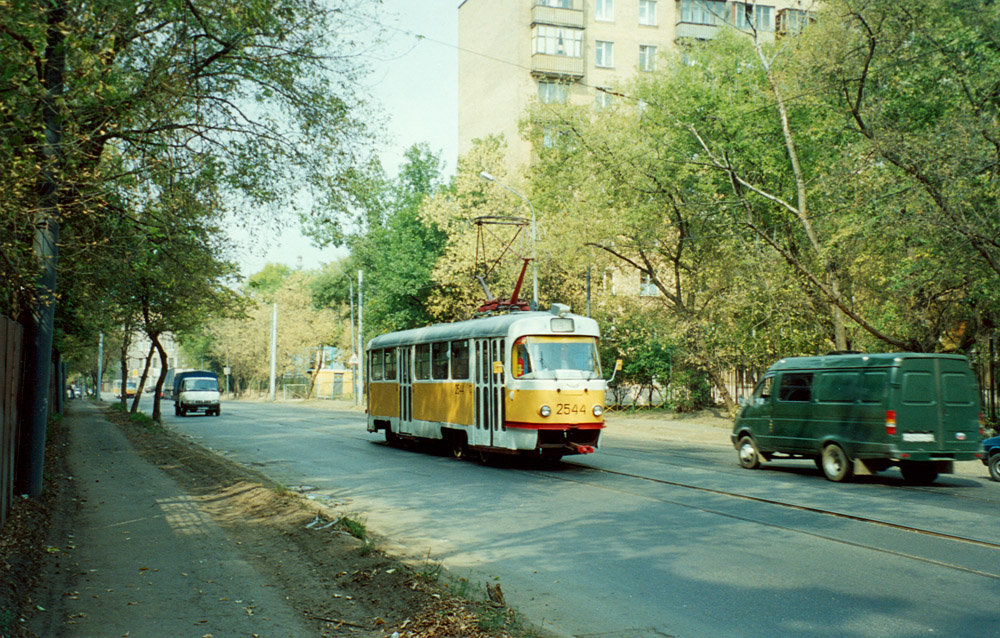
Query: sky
{"points": [[415, 84]]}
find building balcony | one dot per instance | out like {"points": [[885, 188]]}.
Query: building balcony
{"points": [[689, 30], [557, 16], [695, 31], [559, 66]]}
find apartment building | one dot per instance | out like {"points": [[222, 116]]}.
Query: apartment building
{"points": [[513, 53]]}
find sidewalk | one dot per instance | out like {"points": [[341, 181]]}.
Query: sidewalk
{"points": [[137, 558]]}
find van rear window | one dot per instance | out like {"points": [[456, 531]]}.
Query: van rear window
{"points": [[796, 387], [956, 388]]}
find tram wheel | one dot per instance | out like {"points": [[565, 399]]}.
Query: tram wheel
{"points": [[458, 448], [391, 437], [836, 466]]}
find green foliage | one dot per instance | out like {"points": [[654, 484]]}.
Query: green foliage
{"points": [[394, 246], [178, 115], [729, 183]]}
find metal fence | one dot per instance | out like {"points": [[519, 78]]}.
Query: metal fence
{"points": [[11, 341]]}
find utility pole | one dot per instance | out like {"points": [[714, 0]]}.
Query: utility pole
{"points": [[354, 346], [274, 350], [100, 364], [361, 343]]}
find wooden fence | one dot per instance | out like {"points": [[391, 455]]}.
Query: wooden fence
{"points": [[11, 341]]}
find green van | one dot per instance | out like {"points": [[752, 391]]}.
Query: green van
{"points": [[917, 411]]}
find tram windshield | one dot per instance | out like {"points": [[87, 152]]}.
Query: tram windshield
{"points": [[556, 358]]}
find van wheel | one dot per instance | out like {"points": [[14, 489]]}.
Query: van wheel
{"points": [[918, 472], [747, 451], [995, 467], [836, 466]]}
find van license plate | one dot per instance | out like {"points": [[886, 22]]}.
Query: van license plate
{"points": [[918, 437]]}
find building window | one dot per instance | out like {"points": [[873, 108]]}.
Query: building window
{"points": [[752, 16], [646, 286], [561, 4], [603, 99], [557, 41], [702, 11], [647, 13], [604, 10], [553, 92], [647, 57], [604, 54], [793, 21]]}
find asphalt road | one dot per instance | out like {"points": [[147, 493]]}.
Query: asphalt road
{"points": [[652, 538]]}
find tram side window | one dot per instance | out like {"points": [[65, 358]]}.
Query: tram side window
{"points": [[390, 365], [439, 360], [375, 366], [422, 361], [459, 359]]}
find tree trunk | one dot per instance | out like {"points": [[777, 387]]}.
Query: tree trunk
{"points": [[158, 390], [142, 380], [126, 342]]}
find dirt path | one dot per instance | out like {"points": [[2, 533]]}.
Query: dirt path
{"points": [[327, 569]]}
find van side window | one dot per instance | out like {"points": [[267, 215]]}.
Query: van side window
{"points": [[918, 388], [836, 387], [872, 387], [956, 388], [763, 389], [795, 386]]}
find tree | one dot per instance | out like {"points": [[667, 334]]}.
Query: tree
{"points": [[393, 245], [918, 88], [256, 95], [243, 343]]}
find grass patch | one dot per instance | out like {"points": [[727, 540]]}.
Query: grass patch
{"points": [[355, 528], [431, 570]]}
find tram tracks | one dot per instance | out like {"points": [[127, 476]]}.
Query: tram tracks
{"points": [[802, 469], [856, 518]]}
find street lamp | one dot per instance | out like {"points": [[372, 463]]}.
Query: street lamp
{"points": [[534, 237]]}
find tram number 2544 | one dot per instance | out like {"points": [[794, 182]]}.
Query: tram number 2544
{"points": [[571, 408]]}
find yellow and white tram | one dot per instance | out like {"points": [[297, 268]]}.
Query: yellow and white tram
{"points": [[525, 382]]}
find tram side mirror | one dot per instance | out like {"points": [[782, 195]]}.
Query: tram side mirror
{"points": [[618, 366], [498, 367]]}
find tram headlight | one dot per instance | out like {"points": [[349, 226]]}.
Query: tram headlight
{"points": [[545, 410], [598, 410]]}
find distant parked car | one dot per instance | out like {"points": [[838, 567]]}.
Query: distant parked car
{"points": [[991, 458]]}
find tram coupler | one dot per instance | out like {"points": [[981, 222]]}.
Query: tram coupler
{"points": [[580, 449]]}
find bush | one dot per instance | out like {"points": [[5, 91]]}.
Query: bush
{"points": [[689, 391]]}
